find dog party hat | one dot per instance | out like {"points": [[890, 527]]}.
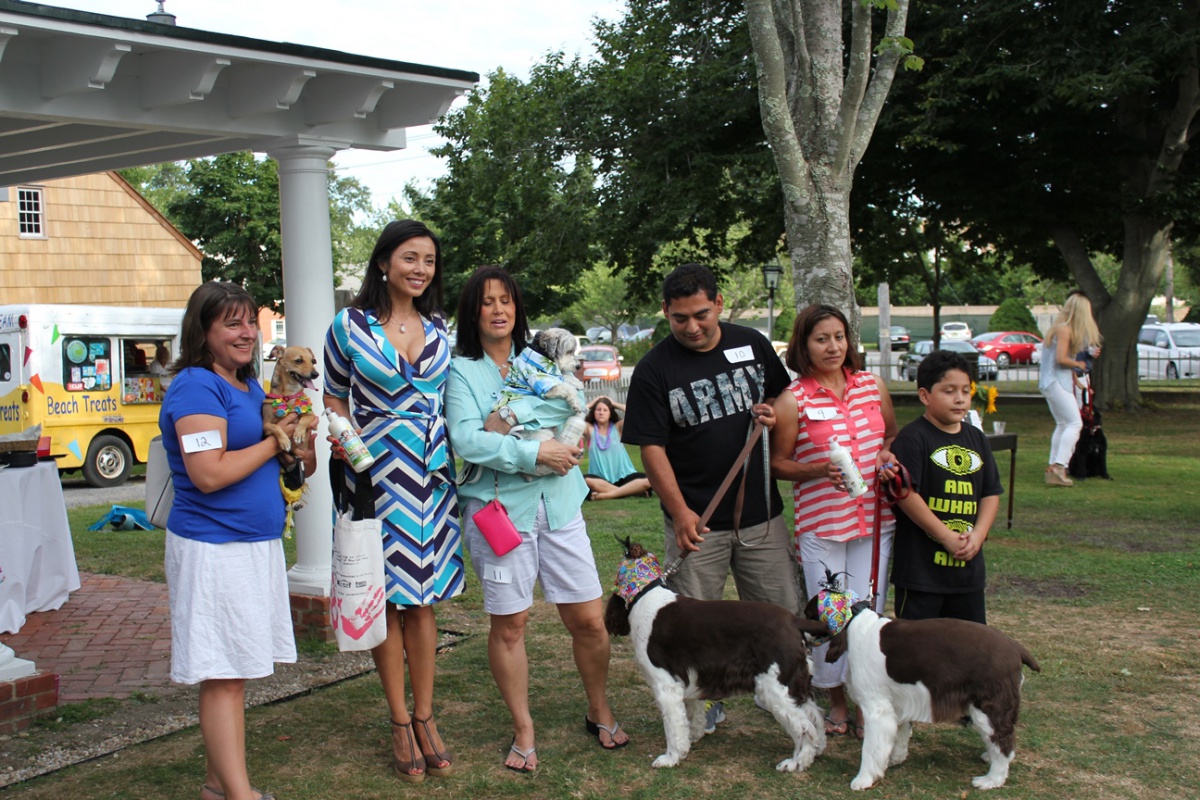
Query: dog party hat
{"points": [[638, 571]]}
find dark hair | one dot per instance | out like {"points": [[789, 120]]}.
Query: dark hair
{"points": [[806, 321], [934, 367], [687, 280], [614, 416], [373, 294], [470, 304], [212, 302]]}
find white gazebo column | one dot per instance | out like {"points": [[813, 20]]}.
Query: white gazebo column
{"points": [[308, 309]]}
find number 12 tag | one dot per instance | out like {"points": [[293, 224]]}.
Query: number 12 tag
{"points": [[198, 442]]}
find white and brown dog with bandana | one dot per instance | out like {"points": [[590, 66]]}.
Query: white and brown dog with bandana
{"points": [[690, 651], [930, 670]]}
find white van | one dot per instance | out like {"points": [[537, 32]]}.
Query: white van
{"points": [[84, 373]]}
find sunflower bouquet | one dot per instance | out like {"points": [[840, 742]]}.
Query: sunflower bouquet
{"points": [[986, 395]]}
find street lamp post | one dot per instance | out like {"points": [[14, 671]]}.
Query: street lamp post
{"points": [[771, 274]]}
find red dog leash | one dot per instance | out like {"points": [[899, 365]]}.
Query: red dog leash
{"points": [[895, 489]]}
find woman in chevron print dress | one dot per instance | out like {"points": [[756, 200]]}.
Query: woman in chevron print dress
{"points": [[386, 362]]}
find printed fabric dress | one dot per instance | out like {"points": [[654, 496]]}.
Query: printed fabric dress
{"points": [[400, 409]]}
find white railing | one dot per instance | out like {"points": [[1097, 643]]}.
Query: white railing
{"points": [[614, 390]]}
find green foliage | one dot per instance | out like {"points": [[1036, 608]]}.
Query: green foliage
{"points": [[1012, 315], [515, 194], [229, 206], [604, 300]]}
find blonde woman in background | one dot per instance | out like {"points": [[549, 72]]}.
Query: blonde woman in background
{"points": [[1072, 332]]}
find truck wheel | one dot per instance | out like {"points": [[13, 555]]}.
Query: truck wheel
{"points": [[108, 462]]}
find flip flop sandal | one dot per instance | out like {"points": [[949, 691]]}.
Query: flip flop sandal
{"points": [[844, 724], [594, 729], [217, 793], [524, 769]]}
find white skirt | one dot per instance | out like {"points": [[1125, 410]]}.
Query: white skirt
{"points": [[230, 613]]}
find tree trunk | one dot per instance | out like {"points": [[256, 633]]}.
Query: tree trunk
{"points": [[819, 244], [1120, 319]]}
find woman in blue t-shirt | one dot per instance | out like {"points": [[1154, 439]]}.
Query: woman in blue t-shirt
{"points": [[226, 577], [611, 473]]}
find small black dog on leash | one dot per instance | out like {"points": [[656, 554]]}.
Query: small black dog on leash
{"points": [[1090, 459]]}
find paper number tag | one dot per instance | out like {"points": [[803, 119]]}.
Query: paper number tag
{"points": [[497, 574], [736, 355], [198, 442], [820, 413]]}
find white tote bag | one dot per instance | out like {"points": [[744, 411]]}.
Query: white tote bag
{"points": [[357, 596], [160, 488]]}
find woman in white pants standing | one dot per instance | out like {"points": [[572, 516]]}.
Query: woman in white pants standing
{"points": [[1072, 332]]}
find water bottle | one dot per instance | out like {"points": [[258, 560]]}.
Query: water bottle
{"points": [[357, 454], [571, 431], [843, 460]]}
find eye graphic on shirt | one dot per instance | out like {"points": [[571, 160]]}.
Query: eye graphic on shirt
{"points": [[956, 459]]}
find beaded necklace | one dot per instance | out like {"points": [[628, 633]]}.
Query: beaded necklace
{"points": [[602, 441]]}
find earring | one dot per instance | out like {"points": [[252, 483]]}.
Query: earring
{"points": [[384, 277]]}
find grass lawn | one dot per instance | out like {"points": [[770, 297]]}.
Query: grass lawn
{"points": [[1100, 581]]}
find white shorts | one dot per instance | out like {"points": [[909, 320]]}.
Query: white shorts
{"points": [[230, 613], [560, 560]]}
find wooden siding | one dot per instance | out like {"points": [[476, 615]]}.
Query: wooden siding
{"points": [[104, 245]]}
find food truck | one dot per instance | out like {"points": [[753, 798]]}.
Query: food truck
{"points": [[86, 374]]}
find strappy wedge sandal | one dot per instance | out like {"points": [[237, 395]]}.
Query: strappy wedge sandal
{"points": [[413, 769], [433, 757]]}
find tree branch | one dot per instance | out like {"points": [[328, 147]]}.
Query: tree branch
{"points": [[773, 102], [858, 71], [877, 91], [1067, 240]]}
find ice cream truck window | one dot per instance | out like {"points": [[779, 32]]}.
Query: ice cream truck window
{"points": [[87, 364], [5, 363]]}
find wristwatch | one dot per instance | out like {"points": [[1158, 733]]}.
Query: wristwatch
{"points": [[507, 415]]}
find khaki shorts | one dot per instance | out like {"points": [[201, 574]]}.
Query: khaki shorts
{"points": [[764, 568]]}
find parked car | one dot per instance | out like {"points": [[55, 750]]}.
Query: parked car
{"points": [[643, 335], [1169, 350], [900, 337], [599, 362], [601, 334], [581, 341], [988, 369], [955, 330], [1008, 347]]}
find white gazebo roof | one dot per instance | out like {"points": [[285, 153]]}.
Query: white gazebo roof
{"points": [[83, 92]]}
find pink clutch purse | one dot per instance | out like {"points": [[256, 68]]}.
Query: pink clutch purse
{"points": [[493, 522]]}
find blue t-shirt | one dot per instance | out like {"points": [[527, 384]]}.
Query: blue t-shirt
{"points": [[250, 510]]}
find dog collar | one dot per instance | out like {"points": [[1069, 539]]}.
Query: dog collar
{"points": [[299, 402]]}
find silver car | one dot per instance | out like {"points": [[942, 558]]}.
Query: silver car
{"points": [[1169, 350]]}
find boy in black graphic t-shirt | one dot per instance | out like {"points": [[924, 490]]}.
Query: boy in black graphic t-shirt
{"points": [[937, 554]]}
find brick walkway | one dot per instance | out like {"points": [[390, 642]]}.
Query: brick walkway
{"points": [[111, 639]]}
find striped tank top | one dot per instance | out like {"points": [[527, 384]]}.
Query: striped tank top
{"points": [[857, 422]]}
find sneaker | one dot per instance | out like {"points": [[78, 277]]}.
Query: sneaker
{"points": [[714, 715]]}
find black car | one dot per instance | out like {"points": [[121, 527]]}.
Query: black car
{"points": [[988, 369], [899, 336]]}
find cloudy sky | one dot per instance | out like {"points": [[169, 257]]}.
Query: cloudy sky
{"points": [[475, 35]]}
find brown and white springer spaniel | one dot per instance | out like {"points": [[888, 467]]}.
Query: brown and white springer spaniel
{"points": [[690, 651], [932, 670]]}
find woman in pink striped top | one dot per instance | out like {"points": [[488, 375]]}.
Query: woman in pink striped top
{"points": [[833, 398]]}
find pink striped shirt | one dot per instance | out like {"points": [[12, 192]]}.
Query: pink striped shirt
{"points": [[857, 422]]}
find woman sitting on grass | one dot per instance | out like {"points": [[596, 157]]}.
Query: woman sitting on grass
{"points": [[611, 473]]}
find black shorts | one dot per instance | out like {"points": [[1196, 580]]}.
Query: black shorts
{"points": [[633, 476], [912, 604]]}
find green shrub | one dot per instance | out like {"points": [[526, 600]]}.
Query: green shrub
{"points": [[632, 352], [1012, 315]]}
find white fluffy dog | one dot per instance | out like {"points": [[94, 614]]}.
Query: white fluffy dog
{"points": [[690, 651]]}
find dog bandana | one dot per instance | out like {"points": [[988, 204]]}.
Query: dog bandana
{"points": [[299, 402], [835, 609], [635, 575]]}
